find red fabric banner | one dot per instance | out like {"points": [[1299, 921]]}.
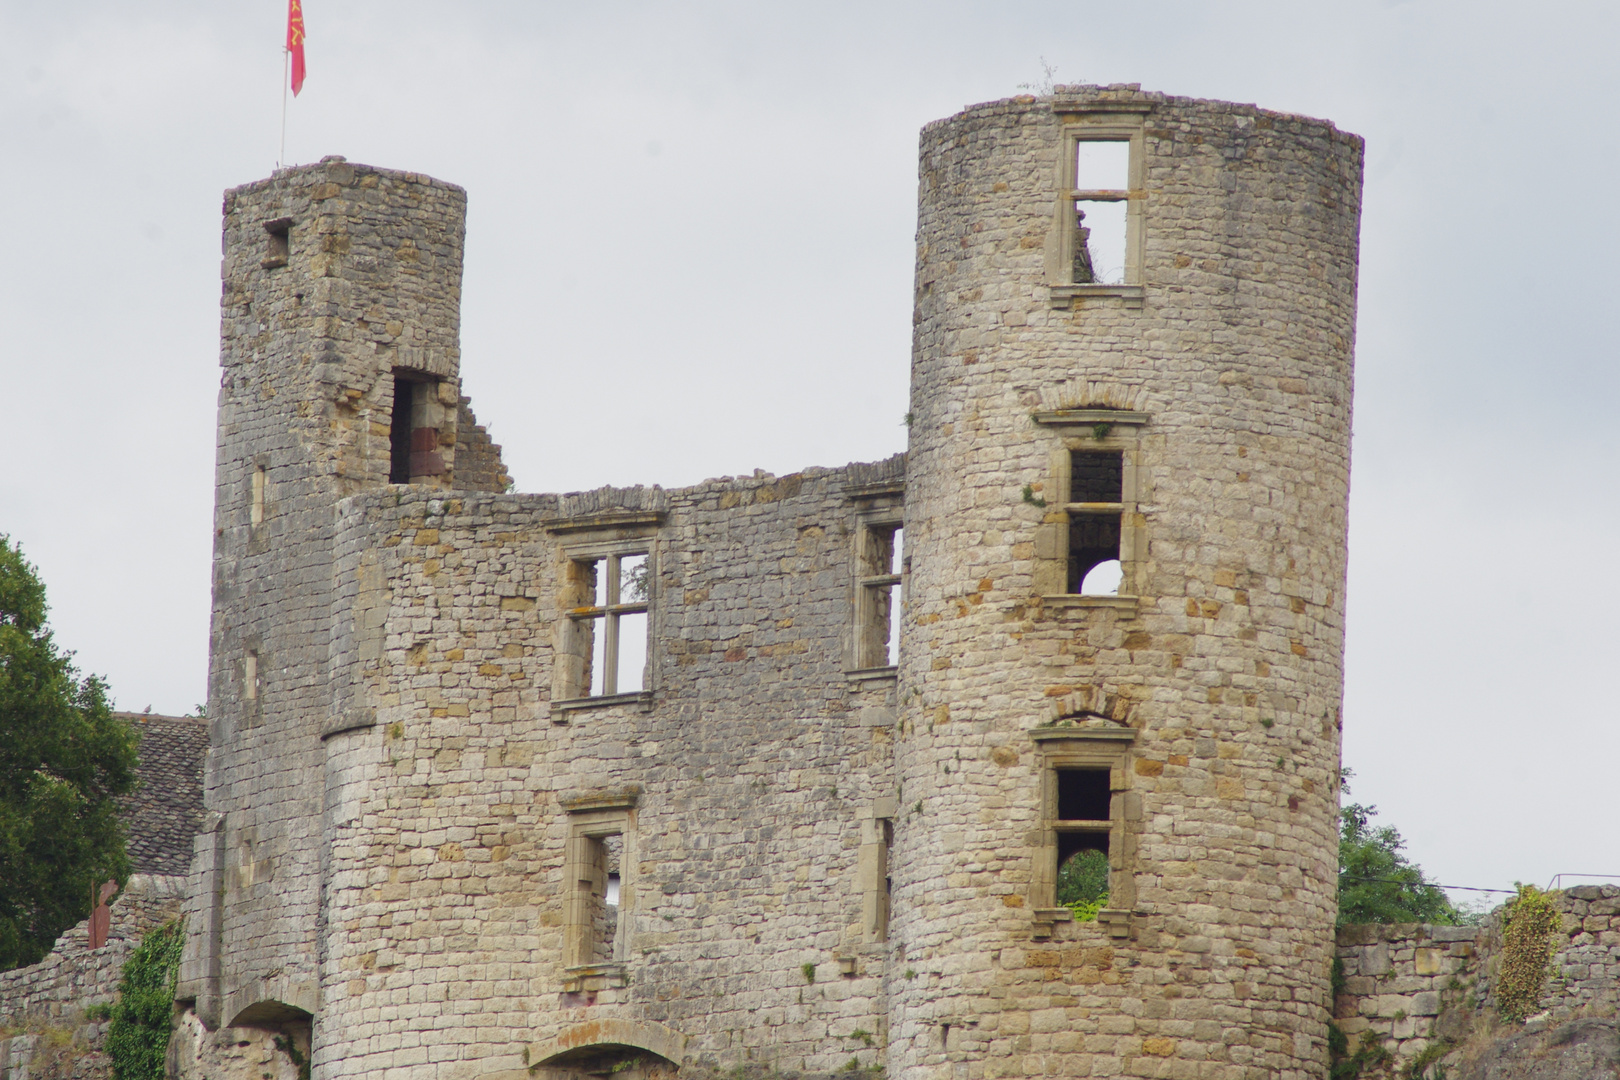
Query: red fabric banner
{"points": [[295, 42]]}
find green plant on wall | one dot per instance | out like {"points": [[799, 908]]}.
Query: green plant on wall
{"points": [[1082, 884], [138, 1036], [1527, 948], [1369, 1056]]}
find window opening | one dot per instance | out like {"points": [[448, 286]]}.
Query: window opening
{"points": [[413, 433], [399, 433], [1083, 795], [256, 500], [1083, 823], [881, 555], [278, 231], [595, 904], [606, 910], [877, 886], [1095, 509], [615, 623], [1100, 194], [250, 676]]}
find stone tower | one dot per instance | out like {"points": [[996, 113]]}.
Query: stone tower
{"points": [[1163, 380], [339, 323], [641, 782]]}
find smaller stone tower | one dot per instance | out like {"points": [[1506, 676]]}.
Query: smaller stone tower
{"points": [[339, 329]]}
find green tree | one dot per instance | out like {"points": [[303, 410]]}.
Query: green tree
{"points": [[1376, 882], [64, 760]]}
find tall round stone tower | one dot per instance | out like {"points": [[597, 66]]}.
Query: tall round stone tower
{"points": [[1125, 532]]}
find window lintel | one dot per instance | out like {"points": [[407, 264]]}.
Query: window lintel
{"points": [[1074, 733], [642, 698], [1089, 417], [609, 520]]}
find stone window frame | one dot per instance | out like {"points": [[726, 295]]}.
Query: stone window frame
{"points": [[865, 622], [569, 661], [1083, 430], [1082, 122], [591, 820], [1099, 744], [872, 869]]}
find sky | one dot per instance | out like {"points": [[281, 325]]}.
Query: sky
{"points": [[689, 254]]}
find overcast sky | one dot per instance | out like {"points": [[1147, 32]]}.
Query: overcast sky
{"points": [[689, 254]]}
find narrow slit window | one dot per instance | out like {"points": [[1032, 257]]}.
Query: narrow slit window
{"points": [[399, 433], [611, 629], [250, 676], [881, 556], [1096, 510], [606, 902], [596, 901], [256, 496]]}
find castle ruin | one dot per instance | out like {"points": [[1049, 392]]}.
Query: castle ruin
{"points": [[776, 775]]}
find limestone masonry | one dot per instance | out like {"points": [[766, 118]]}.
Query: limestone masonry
{"points": [[777, 775]]}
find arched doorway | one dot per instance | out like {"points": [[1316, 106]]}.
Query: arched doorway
{"points": [[623, 1049]]}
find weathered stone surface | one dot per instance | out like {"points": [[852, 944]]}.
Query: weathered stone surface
{"points": [[404, 776], [1581, 1050]]}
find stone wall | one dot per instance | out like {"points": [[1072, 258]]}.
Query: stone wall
{"points": [[1411, 988], [42, 1007], [478, 459], [754, 758]]}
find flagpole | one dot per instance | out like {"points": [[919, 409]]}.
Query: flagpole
{"points": [[286, 59]]}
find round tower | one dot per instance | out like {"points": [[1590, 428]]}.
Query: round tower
{"points": [[1125, 524]]}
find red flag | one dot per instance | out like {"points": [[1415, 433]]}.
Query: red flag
{"points": [[295, 43]]}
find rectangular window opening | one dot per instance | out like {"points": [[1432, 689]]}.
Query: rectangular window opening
{"points": [[413, 430], [881, 557], [612, 629], [1096, 507], [605, 900], [1098, 203], [1099, 242], [1084, 803], [595, 903], [278, 231], [1083, 794]]}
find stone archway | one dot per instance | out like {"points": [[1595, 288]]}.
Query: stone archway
{"points": [[624, 1049]]}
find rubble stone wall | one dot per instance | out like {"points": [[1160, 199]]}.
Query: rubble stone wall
{"points": [[1410, 987], [43, 1006]]}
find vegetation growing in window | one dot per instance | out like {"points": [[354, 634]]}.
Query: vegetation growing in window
{"points": [[138, 1036], [1082, 884]]}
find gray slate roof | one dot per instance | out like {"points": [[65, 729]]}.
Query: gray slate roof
{"points": [[163, 814]]}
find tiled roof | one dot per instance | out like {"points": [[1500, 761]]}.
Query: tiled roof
{"points": [[163, 814]]}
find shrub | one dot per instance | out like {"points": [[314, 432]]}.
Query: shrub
{"points": [[138, 1036]]}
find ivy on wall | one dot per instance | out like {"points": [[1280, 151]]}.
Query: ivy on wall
{"points": [[138, 1035], [1527, 947]]}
